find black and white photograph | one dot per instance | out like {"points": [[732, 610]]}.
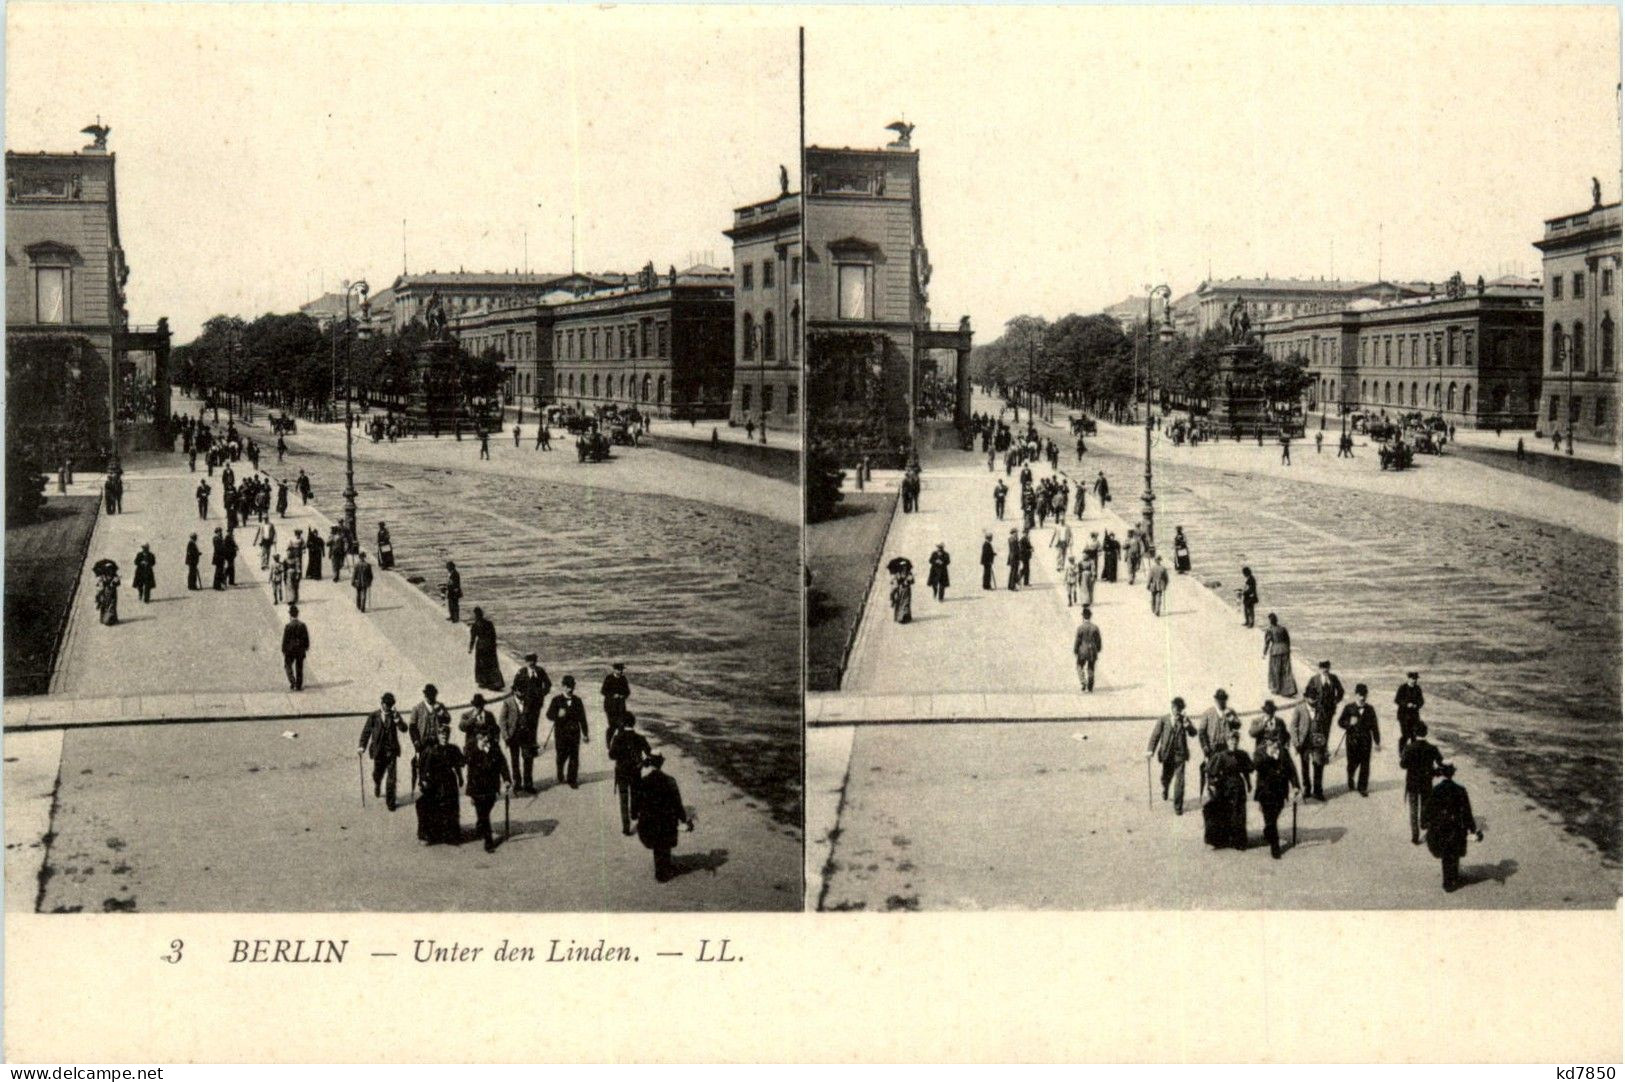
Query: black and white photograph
{"points": [[1213, 461], [400, 517]]}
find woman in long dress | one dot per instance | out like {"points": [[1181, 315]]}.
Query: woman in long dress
{"points": [[1224, 816], [386, 550], [482, 643], [107, 597], [1109, 550], [902, 596], [1182, 551], [1278, 648], [317, 548], [440, 777]]}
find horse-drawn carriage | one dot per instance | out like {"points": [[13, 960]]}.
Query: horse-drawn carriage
{"points": [[592, 446], [1395, 455]]}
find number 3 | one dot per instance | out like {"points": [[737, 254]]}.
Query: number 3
{"points": [[174, 954]]}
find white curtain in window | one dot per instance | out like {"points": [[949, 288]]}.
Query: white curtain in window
{"points": [[854, 284], [53, 295]]}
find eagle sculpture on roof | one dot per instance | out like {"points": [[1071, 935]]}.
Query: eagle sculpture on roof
{"points": [[98, 132], [903, 129]]}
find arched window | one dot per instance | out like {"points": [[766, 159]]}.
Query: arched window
{"points": [[1557, 347], [660, 391], [623, 384], [1413, 392], [1387, 394], [1450, 399], [769, 343], [645, 396], [595, 386], [1467, 399], [1436, 390], [747, 336], [1605, 343], [1362, 391], [1579, 347]]}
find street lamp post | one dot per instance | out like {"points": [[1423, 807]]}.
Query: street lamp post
{"points": [[349, 426], [1165, 333], [1565, 352]]}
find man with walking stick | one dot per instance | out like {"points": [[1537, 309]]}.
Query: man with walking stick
{"points": [[1276, 776], [380, 740], [1170, 743], [487, 774]]}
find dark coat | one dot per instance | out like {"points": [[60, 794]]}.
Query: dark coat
{"points": [[989, 554], [939, 569], [295, 639], [1360, 723], [1325, 691], [1409, 700], [1170, 739], [616, 685], [144, 562], [1275, 779], [569, 717], [194, 555], [1447, 816], [1419, 760], [532, 689], [473, 722], [660, 809], [380, 736], [628, 750], [487, 772]]}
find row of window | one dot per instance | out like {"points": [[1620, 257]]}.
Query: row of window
{"points": [[630, 341], [1605, 287], [1573, 345], [763, 338], [745, 399], [514, 346], [604, 386], [747, 274], [1575, 403], [1393, 394]]}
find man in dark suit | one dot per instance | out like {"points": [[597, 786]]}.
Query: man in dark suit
{"points": [[475, 721], [988, 556], [569, 717], [1359, 725], [194, 556], [1013, 559], [530, 687], [1170, 743], [615, 691], [218, 558], [295, 645], [1408, 699], [1447, 816], [660, 809], [381, 742], [361, 579], [487, 777], [1086, 650], [1323, 692], [1421, 761], [628, 749]]}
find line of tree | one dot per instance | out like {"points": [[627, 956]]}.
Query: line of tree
{"points": [[289, 361], [1092, 363]]}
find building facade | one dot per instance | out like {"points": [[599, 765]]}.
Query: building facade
{"points": [[663, 343], [767, 282], [67, 321], [1580, 267], [1275, 298], [868, 274], [462, 292], [1471, 355]]}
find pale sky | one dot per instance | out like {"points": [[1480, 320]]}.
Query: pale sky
{"points": [[1071, 158], [263, 152]]}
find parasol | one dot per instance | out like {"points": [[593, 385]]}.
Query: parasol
{"points": [[899, 564], [104, 566]]}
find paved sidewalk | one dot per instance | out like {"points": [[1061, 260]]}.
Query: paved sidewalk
{"points": [[1534, 445]]}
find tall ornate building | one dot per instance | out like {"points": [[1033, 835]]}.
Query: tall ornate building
{"points": [[68, 332], [767, 311], [467, 291], [1273, 298], [1580, 268], [869, 330]]}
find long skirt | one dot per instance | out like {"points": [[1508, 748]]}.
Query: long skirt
{"points": [[1224, 819], [438, 817], [313, 569], [902, 605], [1109, 570], [487, 672], [1282, 682]]}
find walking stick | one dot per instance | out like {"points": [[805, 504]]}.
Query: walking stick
{"points": [[507, 825], [1339, 745], [547, 738], [361, 776], [1294, 821]]}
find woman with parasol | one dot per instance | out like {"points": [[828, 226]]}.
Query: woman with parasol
{"points": [[107, 583], [902, 589]]}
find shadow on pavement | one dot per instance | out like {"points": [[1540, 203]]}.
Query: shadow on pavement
{"points": [[1483, 873], [683, 863]]}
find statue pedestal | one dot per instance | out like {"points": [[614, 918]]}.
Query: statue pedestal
{"points": [[436, 400], [1239, 404]]}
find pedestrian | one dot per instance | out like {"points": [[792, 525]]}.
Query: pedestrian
{"points": [[1225, 813], [295, 645], [937, 577], [1408, 701], [381, 742], [1249, 596], [628, 749], [1360, 735], [203, 499], [194, 556], [361, 579], [1156, 581], [476, 720], [569, 717], [1182, 551], [660, 809], [1215, 726], [291, 575], [282, 498], [454, 590], [1277, 779], [1421, 761], [1286, 449], [1060, 540], [265, 541], [487, 776], [482, 643], [1136, 553], [989, 555], [1170, 744], [1447, 816], [228, 552], [1322, 697], [1319, 439], [275, 575], [316, 548], [1026, 558], [303, 484], [530, 687], [107, 583], [1086, 647], [338, 549], [427, 718], [1012, 559], [440, 776], [1086, 580], [516, 436], [615, 691], [902, 593], [145, 581], [1278, 648], [1110, 550], [1520, 448]]}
